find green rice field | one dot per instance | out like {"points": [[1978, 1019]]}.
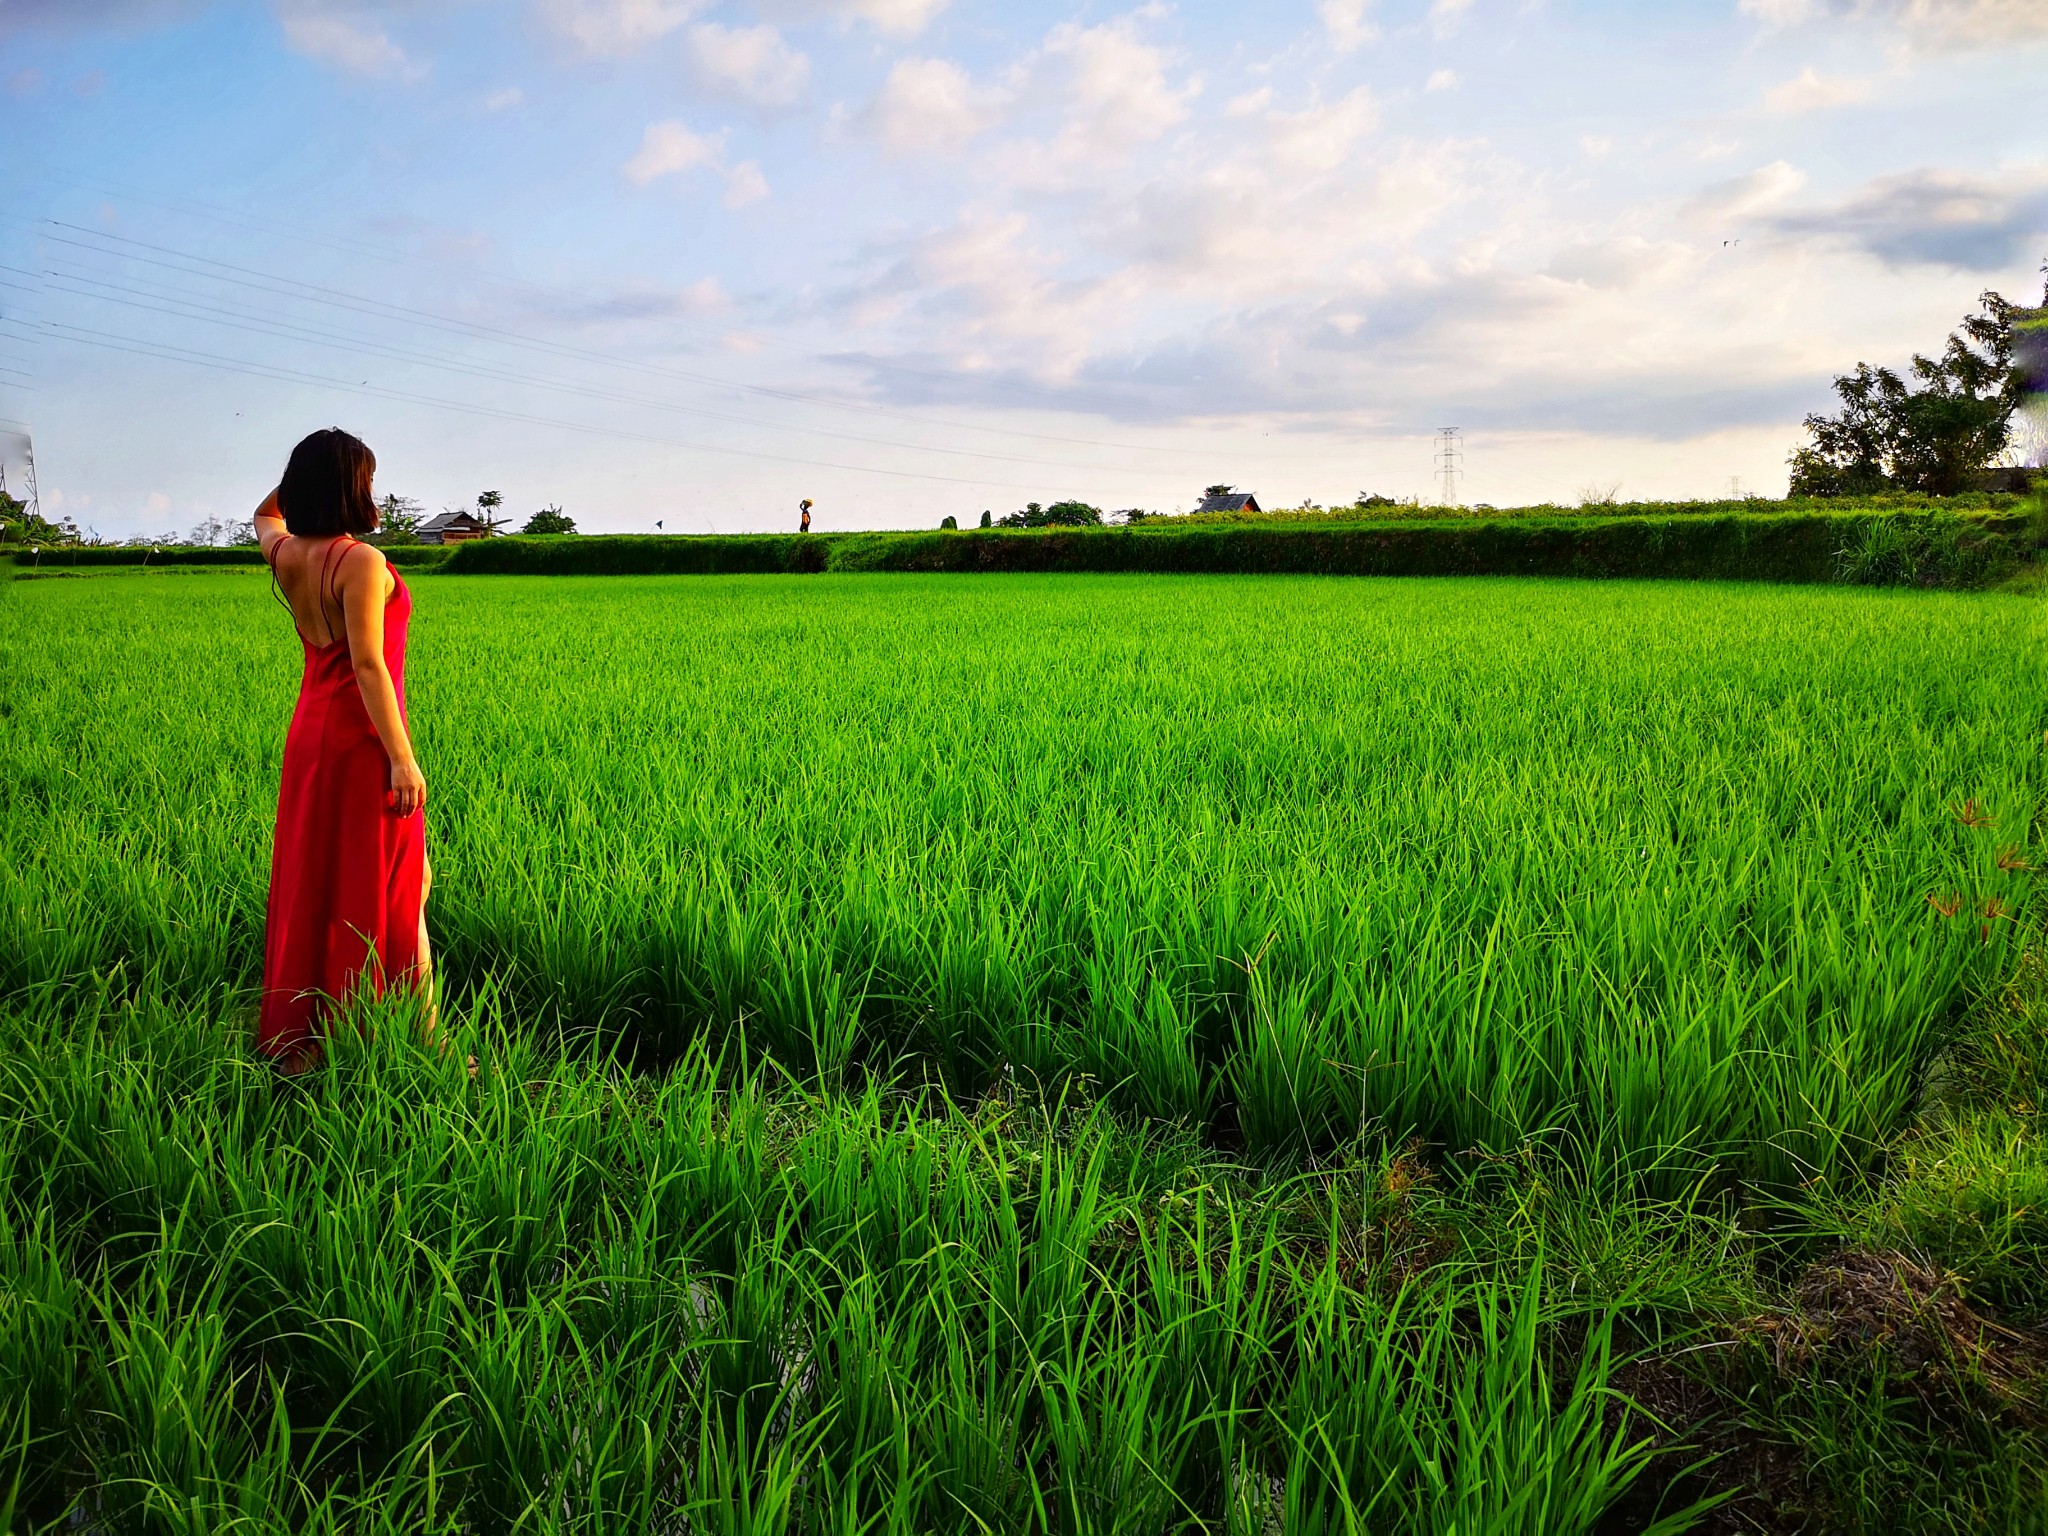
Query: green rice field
{"points": [[1064, 1054]]}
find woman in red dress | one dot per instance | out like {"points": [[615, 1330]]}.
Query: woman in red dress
{"points": [[348, 871]]}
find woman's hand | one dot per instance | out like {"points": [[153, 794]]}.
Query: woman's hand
{"points": [[408, 788]]}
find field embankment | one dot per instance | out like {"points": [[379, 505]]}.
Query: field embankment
{"points": [[1913, 543]]}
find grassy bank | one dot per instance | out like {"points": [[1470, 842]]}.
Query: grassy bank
{"points": [[1880, 547], [1892, 541]]}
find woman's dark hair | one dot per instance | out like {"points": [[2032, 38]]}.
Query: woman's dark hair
{"points": [[326, 486]]}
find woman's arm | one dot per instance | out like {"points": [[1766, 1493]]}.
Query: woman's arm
{"points": [[361, 580], [270, 530]]}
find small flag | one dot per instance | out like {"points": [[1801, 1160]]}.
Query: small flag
{"points": [[657, 522]]}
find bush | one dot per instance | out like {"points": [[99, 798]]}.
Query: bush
{"points": [[549, 520], [411, 556], [1929, 550], [1061, 514], [642, 554], [1794, 547]]}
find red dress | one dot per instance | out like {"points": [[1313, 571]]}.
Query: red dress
{"points": [[346, 870]]}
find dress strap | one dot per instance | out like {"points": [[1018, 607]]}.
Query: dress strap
{"points": [[328, 591]]}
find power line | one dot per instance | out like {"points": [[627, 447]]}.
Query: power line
{"points": [[117, 343], [352, 246], [292, 288], [245, 319]]}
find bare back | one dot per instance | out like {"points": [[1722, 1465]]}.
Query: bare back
{"points": [[311, 574]]}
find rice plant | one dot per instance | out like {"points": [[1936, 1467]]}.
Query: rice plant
{"points": [[949, 1052], [1645, 867]]}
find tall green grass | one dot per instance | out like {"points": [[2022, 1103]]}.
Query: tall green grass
{"points": [[555, 1298], [1667, 875], [1023, 990]]}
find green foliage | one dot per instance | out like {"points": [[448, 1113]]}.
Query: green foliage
{"points": [[1061, 514], [949, 521], [398, 521], [1695, 546], [644, 554], [985, 519], [1937, 438], [1922, 550], [113, 556], [19, 529], [549, 520]]}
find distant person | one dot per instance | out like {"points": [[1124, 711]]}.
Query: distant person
{"points": [[804, 520], [348, 870]]}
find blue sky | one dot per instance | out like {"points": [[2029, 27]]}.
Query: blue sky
{"points": [[693, 260]]}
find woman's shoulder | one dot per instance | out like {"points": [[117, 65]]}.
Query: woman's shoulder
{"points": [[362, 557]]}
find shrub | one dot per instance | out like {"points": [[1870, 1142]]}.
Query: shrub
{"points": [[549, 520], [1061, 514], [1927, 550], [641, 554]]}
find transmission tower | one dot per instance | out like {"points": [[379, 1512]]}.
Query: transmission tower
{"points": [[1450, 463], [28, 472]]}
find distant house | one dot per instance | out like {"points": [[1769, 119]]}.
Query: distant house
{"points": [[1230, 501], [453, 528]]}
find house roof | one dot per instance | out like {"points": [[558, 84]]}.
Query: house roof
{"points": [[1234, 501], [446, 520]]}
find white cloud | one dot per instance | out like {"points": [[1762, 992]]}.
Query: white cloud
{"points": [[670, 149], [930, 106], [1925, 24], [159, 502], [1742, 197], [754, 64], [893, 18], [1348, 23], [616, 26], [1778, 14], [675, 149], [1444, 15], [1622, 262], [1249, 102], [1811, 91], [1441, 80], [350, 43], [1320, 138], [504, 101], [1115, 91], [745, 184]]}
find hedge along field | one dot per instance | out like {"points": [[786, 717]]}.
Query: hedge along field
{"points": [[1662, 875]]}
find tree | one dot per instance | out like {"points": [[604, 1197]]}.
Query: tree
{"points": [[398, 521], [985, 519], [1937, 438], [1216, 490], [549, 520], [1061, 514], [950, 521], [19, 526], [487, 504]]}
